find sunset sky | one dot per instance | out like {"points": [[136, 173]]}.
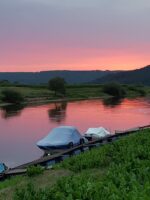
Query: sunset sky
{"points": [[38, 35]]}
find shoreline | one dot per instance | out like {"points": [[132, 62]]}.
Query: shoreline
{"points": [[35, 101], [37, 95], [40, 101]]}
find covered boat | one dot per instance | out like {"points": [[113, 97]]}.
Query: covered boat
{"points": [[3, 168], [96, 133], [61, 138]]}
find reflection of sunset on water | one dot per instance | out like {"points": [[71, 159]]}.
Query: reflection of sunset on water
{"points": [[21, 132]]}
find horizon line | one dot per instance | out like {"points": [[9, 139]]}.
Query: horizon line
{"points": [[73, 70]]}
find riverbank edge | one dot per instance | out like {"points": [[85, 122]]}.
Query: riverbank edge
{"points": [[40, 101], [46, 101]]}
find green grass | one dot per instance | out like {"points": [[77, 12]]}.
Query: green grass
{"points": [[41, 181], [89, 91], [120, 170], [34, 171], [41, 93], [10, 182], [30, 91]]}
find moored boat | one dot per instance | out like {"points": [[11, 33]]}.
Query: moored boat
{"points": [[96, 133], [3, 168], [62, 137]]}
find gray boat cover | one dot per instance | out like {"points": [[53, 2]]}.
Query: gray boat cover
{"points": [[61, 136]]}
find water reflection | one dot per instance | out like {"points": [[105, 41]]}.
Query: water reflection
{"points": [[19, 135], [11, 110], [58, 113], [112, 102]]}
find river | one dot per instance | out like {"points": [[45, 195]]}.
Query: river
{"points": [[21, 127]]}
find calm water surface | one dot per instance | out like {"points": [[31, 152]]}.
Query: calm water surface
{"points": [[21, 128]]}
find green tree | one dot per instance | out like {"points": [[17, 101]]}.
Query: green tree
{"points": [[57, 85], [12, 96], [114, 89]]}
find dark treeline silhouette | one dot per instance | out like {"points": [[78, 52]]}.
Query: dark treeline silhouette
{"points": [[138, 76], [71, 77]]}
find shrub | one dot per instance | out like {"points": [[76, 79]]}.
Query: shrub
{"points": [[5, 83], [114, 89], [141, 92], [138, 89], [34, 170], [11, 96]]}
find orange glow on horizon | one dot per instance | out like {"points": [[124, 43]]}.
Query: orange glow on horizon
{"points": [[72, 59]]}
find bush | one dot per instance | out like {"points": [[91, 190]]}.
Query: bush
{"points": [[34, 170], [11, 96], [138, 89], [141, 92], [5, 83], [114, 89]]}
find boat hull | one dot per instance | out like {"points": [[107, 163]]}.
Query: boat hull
{"points": [[60, 147]]}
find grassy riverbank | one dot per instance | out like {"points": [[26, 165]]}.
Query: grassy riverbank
{"points": [[35, 94], [120, 170]]}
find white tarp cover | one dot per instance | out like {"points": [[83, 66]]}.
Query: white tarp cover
{"points": [[60, 136], [97, 132]]}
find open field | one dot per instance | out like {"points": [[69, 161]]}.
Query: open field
{"points": [[120, 170], [30, 92], [41, 93]]}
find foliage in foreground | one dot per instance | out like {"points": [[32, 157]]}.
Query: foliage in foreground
{"points": [[127, 174]]}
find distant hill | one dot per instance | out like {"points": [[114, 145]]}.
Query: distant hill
{"points": [[72, 77], [138, 76]]}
